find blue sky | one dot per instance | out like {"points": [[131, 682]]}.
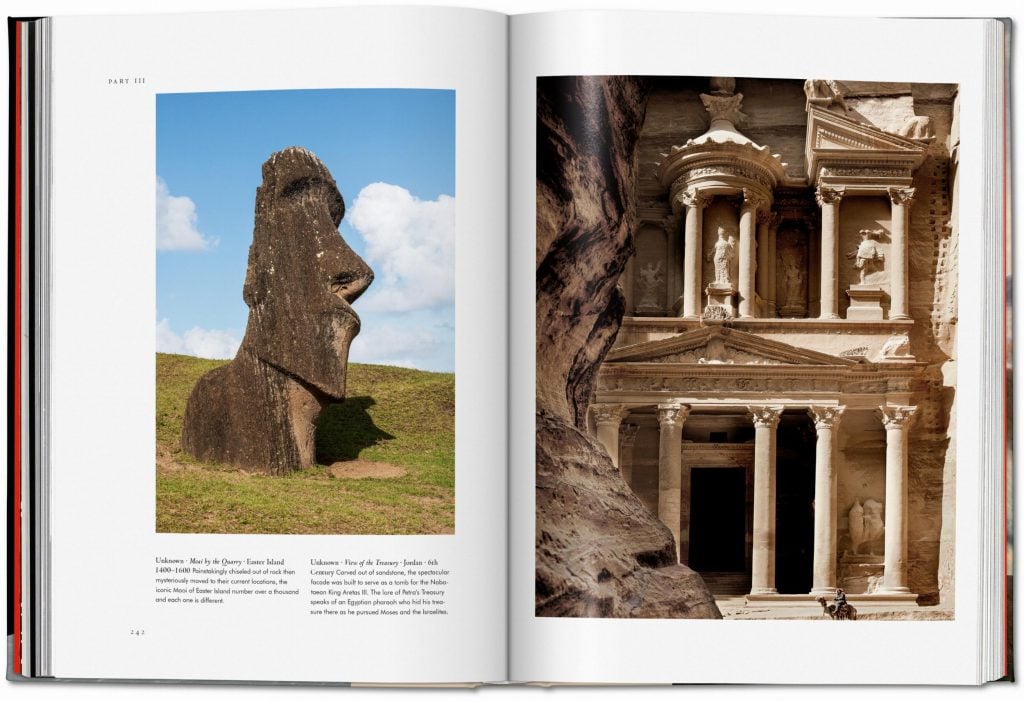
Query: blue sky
{"points": [[392, 153]]}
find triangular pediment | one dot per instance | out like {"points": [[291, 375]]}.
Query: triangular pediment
{"points": [[828, 130], [719, 345]]}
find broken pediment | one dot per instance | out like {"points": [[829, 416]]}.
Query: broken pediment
{"points": [[842, 150], [719, 345]]}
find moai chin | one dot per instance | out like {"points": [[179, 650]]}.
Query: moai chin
{"points": [[259, 411]]}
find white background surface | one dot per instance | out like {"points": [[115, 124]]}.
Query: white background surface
{"points": [[862, 8]]}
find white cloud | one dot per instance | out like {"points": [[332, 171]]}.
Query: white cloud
{"points": [[204, 343], [393, 345], [410, 244], [176, 222]]}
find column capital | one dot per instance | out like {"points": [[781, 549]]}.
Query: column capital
{"points": [[672, 413], [627, 434], [768, 217], [826, 416], [829, 195], [897, 417], [608, 413], [693, 198], [754, 200], [902, 195], [765, 416]]}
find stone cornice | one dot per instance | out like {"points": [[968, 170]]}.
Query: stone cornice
{"points": [[865, 159]]}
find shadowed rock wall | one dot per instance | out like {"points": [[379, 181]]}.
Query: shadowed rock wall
{"points": [[599, 551]]}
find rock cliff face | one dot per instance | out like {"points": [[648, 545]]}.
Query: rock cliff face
{"points": [[600, 552], [259, 411]]}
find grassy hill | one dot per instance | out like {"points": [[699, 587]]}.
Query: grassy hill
{"points": [[387, 459]]}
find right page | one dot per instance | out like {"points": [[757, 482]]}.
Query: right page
{"points": [[739, 349]]}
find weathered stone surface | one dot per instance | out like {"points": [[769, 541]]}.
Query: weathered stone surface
{"points": [[600, 551], [259, 411]]}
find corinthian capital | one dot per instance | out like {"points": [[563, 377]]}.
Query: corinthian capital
{"points": [[829, 195], [672, 413], [608, 413], [765, 415], [826, 416], [693, 198], [894, 417], [902, 195], [754, 200]]}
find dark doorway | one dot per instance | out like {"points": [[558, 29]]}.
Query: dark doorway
{"points": [[794, 510], [718, 519]]}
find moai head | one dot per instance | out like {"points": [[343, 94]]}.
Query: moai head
{"points": [[302, 276]]}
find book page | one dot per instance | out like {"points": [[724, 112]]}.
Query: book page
{"points": [[279, 348], [743, 331]]}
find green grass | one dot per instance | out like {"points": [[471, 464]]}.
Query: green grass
{"points": [[392, 415]]}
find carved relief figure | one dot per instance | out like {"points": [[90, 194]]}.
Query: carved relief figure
{"points": [[724, 256], [868, 256], [897, 346], [259, 411], [650, 282], [794, 277], [825, 93], [856, 517], [917, 127], [874, 525]]}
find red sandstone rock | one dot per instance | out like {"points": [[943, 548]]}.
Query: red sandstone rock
{"points": [[600, 551]]}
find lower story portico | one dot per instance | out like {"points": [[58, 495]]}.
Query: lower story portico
{"points": [[780, 471]]}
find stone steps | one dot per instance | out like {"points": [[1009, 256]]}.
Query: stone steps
{"points": [[727, 583]]}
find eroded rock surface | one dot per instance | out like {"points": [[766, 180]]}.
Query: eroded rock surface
{"points": [[259, 411], [600, 552]]}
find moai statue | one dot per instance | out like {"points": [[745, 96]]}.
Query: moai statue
{"points": [[259, 411]]}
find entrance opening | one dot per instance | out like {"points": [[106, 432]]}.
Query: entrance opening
{"points": [[794, 510], [718, 519]]}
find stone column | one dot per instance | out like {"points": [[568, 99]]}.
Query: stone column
{"points": [[607, 418], [899, 280], [766, 419], [627, 438], [896, 420], [764, 218], [826, 421], [670, 419], [692, 251], [748, 263], [829, 199], [773, 231]]}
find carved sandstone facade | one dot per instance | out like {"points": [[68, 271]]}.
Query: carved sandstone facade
{"points": [[786, 380]]}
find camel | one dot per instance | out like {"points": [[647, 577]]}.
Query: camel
{"points": [[844, 613]]}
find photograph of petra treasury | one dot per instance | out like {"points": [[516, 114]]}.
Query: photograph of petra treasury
{"points": [[746, 348]]}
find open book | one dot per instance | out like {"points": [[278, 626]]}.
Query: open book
{"points": [[437, 346]]}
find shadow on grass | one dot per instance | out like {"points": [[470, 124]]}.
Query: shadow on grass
{"points": [[345, 429]]}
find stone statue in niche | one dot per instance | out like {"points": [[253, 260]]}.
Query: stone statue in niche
{"points": [[794, 276], [856, 517], [874, 524], [650, 282], [868, 257], [724, 256]]}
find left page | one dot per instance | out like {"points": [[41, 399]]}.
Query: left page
{"points": [[278, 447]]}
